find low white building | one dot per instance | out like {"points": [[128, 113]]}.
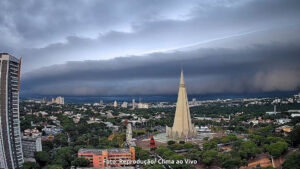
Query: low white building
{"points": [[295, 115], [283, 121], [253, 121], [272, 112], [203, 129], [293, 111], [203, 118], [143, 106], [96, 104]]}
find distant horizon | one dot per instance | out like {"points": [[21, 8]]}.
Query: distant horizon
{"points": [[162, 97]]}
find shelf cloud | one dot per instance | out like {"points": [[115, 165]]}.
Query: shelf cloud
{"points": [[99, 47], [260, 68]]}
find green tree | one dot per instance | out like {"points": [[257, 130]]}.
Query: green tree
{"points": [[30, 165], [295, 136], [188, 145], [61, 162], [82, 140], [61, 139], [270, 140], [176, 146], [42, 158], [177, 157], [53, 167], [194, 155], [47, 145], [64, 156], [104, 143], [233, 163], [69, 127], [209, 156], [229, 138], [248, 150], [276, 149], [168, 154], [212, 144], [94, 141], [81, 162], [265, 131], [257, 139], [141, 154], [223, 157], [292, 161], [156, 166], [171, 142], [160, 150]]}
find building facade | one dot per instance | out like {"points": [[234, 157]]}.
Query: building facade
{"points": [[11, 155], [100, 158], [31, 145]]}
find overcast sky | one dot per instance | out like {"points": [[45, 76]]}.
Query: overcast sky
{"points": [[132, 47]]}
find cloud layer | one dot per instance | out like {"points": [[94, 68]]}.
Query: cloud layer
{"points": [[260, 68], [53, 32], [117, 47]]}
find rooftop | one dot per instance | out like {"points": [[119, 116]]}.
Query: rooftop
{"points": [[99, 151]]}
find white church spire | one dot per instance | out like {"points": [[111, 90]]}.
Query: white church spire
{"points": [[182, 126]]}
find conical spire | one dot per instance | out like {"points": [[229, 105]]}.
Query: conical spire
{"points": [[182, 79], [182, 122]]}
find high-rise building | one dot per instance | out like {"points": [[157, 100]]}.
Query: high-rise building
{"points": [[182, 126], [11, 155], [133, 103], [115, 104], [44, 100], [60, 100], [124, 105], [194, 101], [129, 135]]}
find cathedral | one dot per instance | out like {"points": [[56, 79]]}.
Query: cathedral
{"points": [[182, 127]]}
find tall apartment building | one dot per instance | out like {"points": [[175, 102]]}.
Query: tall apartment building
{"points": [[108, 157], [60, 100], [115, 104], [133, 104], [11, 155], [124, 105]]}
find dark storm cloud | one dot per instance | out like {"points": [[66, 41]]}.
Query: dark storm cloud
{"points": [[51, 32], [45, 20], [215, 41], [258, 68]]}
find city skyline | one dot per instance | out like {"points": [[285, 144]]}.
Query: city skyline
{"points": [[139, 47]]}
